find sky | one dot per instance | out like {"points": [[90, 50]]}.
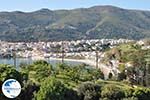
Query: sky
{"points": [[33, 5]]}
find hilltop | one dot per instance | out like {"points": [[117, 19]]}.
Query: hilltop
{"points": [[82, 23]]}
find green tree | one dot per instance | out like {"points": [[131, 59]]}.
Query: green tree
{"points": [[89, 91], [28, 91], [52, 89], [38, 71], [97, 74], [142, 93], [9, 72], [112, 92]]}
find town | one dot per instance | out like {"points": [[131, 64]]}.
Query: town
{"points": [[79, 49]]}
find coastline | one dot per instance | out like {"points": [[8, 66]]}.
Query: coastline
{"points": [[91, 63], [86, 61]]}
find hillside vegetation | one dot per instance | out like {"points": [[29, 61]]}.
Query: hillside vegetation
{"points": [[41, 81], [84, 23], [134, 63]]}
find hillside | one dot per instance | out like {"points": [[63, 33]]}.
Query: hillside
{"points": [[87, 23]]}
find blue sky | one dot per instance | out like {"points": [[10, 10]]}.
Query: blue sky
{"points": [[32, 5]]}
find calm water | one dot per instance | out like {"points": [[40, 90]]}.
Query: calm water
{"points": [[30, 61]]}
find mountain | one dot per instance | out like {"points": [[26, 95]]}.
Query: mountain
{"points": [[83, 23]]}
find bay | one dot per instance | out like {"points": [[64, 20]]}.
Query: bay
{"points": [[19, 61]]}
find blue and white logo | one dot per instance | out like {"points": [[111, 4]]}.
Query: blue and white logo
{"points": [[11, 88]]}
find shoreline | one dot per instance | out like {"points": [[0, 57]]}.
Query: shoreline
{"points": [[86, 61], [91, 63]]}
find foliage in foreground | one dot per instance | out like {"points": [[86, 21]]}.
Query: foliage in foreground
{"points": [[65, 82]]}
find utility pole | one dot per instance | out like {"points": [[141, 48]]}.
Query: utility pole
{"points": [[147, 76], [14, 57], [98, 49], [96, 58], [62, 51]]}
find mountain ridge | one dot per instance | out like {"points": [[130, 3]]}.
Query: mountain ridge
{"points": [[83, 23]]}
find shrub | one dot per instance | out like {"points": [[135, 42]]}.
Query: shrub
{"points": [[89, 91], [53, 89], [142, 93], [112, 92]]}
